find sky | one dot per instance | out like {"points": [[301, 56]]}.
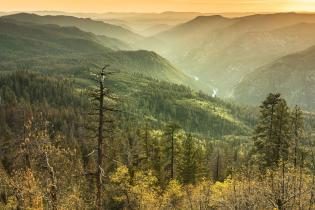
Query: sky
{"points": [[159, 5]]}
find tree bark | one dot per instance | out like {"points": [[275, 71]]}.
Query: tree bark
{"points": [[100, 145]]}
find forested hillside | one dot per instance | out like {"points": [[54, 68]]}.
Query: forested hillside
{"points": [[182, 136], [224, 50], [56, 114], [292, 75], [18, 40], [73, 52], [88, 123], [142, 97], [85, 24]]}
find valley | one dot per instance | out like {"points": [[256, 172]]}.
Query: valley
{"points": [[169, 110]]}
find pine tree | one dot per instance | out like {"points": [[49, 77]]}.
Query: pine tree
{"points": [[188, 168], [297, 131], [283, 131], [272, 135], [171, 148], [217, 166]]}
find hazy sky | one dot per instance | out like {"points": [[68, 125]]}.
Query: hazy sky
{"points": [[159, 5]]}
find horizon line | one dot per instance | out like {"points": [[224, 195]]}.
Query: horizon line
{"points": [[161, 12]]}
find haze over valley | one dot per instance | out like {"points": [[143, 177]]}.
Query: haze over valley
{"points": [[223, 50]]}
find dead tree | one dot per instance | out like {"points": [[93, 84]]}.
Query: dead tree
{"points": [[53, 185], [102, 100]]}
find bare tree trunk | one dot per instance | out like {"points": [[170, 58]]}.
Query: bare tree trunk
{"points": [[100, 145], [300, 181], [147, 143], [172, 158], [53, 187], [271, 122], [312, 192], [295, 138], [313, 182], [20, 200], [217, 169]]}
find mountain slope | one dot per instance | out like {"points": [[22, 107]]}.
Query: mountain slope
{"points": [[173, 43], [34, 38], [29, 40], [142, 21], [293, 76], [155, 29], [85, 24], [146, 99], [194, 111], [221, 51], [70, 51], [148, 63], [252, 50]]}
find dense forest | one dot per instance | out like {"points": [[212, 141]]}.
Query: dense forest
{"points": [[92, 116], [163, 146]]}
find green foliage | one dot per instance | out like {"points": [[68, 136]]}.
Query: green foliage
{"points": [[162, 102], [25, 87], [169, 147], [189, 167], [289, 75], [142, 138], [85, 24], [272, 135]]}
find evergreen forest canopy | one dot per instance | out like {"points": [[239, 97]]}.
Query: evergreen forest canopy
{"points": [[89, 121]]}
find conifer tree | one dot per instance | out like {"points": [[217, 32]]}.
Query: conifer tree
{"points": [[272, 135], [217, 166], [188, 168], [171, 147], [297, 132]]}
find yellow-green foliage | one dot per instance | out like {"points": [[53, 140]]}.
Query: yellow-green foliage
{"points": [[248, 189], [27, 190], [137, 192], [173, 196], [213, 109]]}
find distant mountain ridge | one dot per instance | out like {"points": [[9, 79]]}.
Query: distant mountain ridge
{"points": [[22, 39], [85, 24], [218, 54], [221, 51], [56, 39], [68, 50]]}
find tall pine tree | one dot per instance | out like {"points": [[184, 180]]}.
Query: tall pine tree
{"points": [[188, 168], [272, 135]]}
